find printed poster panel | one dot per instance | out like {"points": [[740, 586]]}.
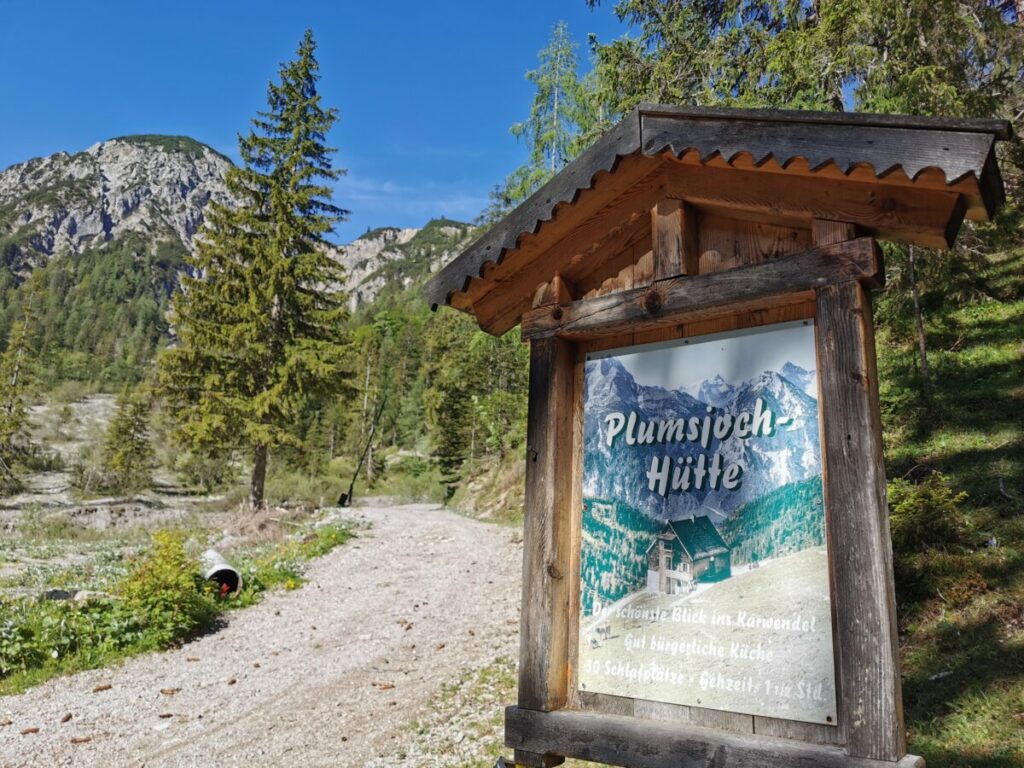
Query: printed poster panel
{"points": [[704, 568]]}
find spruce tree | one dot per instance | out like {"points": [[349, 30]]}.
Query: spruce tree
{"points": [[559, 113], [127, 451], [259, 324], [17, 363], [13, 411]]}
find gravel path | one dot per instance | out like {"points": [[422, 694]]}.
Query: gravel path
{"points": [[330, 674]]}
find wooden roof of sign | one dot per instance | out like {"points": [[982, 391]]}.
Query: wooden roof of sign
{"points": [[765, 175]]}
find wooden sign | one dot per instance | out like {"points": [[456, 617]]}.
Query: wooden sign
{"points": [[707, 568]]}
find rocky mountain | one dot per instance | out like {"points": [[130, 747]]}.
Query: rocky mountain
{"points": [[397, 259], [108, 229], [153, 187]]}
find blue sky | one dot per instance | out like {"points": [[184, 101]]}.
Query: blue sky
{"points": [[427, 91]]}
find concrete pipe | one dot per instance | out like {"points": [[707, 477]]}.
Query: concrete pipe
{"points": [[221, 572]]}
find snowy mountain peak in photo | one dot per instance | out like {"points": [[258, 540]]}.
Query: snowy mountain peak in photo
{"points": [[791, 455], [803, 378], [716, 391]]}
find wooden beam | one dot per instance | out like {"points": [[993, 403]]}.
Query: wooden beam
{"points": [[684, 299], [557, 291], [926, 217], [543, 668], [871, 709], [674, 234], [827, 232], [511, 288], [635, 743]]}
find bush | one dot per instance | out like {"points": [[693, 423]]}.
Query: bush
{"points": [[166, 591], [926, 515], [204, 471], [161, 600]]}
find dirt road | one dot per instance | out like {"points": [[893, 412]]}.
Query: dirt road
{"points": [[330, 674]]}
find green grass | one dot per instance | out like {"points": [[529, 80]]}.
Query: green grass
{"points": [[961, 602]]}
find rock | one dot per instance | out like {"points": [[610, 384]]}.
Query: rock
{"points": [[85, 595], [58, 594]]}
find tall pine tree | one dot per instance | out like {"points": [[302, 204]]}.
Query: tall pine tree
{"points": [[559, 113], [17, 362], [259, 325]]}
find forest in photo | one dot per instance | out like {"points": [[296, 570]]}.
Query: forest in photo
{"points": [[182, 333]]}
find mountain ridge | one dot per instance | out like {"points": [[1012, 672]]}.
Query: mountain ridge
{"points": [[156, 187], [109, 230]]}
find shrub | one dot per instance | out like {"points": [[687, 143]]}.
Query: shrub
{"points": [[166, 591], [926, 515]]}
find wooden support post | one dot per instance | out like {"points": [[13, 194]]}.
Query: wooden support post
{"points": [[674, 234], [861, 548], [543, 668]]}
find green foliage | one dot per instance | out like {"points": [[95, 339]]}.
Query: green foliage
{"points": [[52, 636], [177, 144], [787, 520], [260, 326], [920, 57], [127, 451], [165, 590], [926, 515], [103, 315], [205, 470], [18, 364], [159, 600], [559, 113]]}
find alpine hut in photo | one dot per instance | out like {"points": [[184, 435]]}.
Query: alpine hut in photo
{"points": [[684, 553]]}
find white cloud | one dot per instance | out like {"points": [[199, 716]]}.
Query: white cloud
{"points": [[386, 202]]}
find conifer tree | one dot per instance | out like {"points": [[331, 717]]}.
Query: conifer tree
{"points": [[557, 116], [13, 412], [127, 451], [259, 325], [16, 367]]}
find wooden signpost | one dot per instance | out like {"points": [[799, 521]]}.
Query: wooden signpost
{"points": [[704, 454]]}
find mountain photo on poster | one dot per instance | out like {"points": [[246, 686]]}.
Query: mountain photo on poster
{"points": [[704, 566]]}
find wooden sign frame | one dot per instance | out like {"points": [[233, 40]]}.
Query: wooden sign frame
{"points": [[828, 284], [682, 221]]}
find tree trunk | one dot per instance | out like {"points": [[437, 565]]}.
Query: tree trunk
{"points": [[922, 344], [259, 476]]}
